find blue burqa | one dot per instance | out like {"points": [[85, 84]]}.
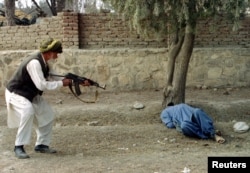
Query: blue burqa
{"points": [[193, 122]]}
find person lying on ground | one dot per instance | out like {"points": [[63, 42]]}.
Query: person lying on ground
{"points": [[190, 121]]}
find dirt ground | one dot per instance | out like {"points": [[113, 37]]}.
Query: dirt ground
{"points": [[111, 136]]}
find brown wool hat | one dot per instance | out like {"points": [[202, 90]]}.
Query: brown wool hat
{"points": [[51, 45]]}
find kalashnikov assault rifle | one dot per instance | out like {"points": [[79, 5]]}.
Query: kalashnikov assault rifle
{"points": [[76, 82]]}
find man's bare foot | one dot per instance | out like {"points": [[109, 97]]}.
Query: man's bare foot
{"points": [[219, 139]]}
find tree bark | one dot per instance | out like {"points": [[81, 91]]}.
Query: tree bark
{"points": [[10, 12], [52, 7], [177, 68], [172, 55], [60, 5], [41, 13]]}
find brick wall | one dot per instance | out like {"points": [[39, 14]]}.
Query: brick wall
{"points": [[63, 27], [70, 29], [105, 30], [220, 34], [29, 37]]}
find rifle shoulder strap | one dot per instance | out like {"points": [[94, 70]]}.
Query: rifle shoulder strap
{"points": [[85, 101]]}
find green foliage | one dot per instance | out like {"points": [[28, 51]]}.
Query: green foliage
{"points": [[166, 16]]}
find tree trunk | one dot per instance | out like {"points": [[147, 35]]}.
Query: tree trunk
{"points": [[41, 13], [52, 7], [10, 12], [60, 5], [75, 5], [82, 9], [173, 53], [177, 68]]}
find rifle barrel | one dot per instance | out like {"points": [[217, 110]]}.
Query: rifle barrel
{"points": [[57, 75]]}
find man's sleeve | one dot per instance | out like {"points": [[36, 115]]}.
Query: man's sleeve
{"points": [[35, 71], [166, 118]]}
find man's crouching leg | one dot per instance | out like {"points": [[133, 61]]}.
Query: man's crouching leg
{"points": [[43, 139]]}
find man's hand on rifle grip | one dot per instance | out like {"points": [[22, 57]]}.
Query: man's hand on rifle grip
{"points": [[66, 82], [85, 83]]}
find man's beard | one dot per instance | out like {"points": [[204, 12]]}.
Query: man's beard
{"points": [[51, 62]]}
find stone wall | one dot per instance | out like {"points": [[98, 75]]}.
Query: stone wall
{"points": [[135, 69]]}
